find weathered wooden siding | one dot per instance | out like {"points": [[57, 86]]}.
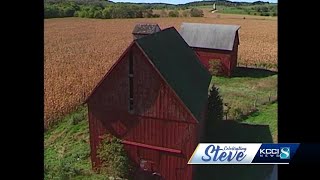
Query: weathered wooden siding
{"points": [[159, 118]]}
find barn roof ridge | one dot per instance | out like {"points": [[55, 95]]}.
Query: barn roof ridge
{"points": [[211, 36], [167, 50]]}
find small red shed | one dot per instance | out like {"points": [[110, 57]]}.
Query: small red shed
{"points": [[154, 104], [213, 42]]}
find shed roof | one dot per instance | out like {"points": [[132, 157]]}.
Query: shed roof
{"points": [[211, 36], [180, 67], [146, 28]]}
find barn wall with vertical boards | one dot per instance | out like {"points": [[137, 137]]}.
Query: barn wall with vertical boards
{"points": [[160, 119]]}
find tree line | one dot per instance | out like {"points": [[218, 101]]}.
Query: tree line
{"points": [[106, 10]]}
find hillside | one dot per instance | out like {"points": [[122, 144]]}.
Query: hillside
{"points": [[101, 9]]}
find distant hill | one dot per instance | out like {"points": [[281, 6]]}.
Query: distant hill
{"points": [[163, 5], [103, 9]]}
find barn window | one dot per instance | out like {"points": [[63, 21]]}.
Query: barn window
{"points": [[130, 82]]}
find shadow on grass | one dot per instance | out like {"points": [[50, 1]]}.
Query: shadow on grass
{"points": [[252, 72], [234, 132]]}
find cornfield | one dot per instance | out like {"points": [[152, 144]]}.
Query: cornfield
{"points": [[78, 52]]}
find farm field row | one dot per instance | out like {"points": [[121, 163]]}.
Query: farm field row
{"points": [[78, 52]]}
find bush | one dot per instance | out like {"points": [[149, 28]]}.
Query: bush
{"points": [[196, 12], [236, 113], [51, 12], [148, 13], [163, 13], [174, 13], [90, 13], [215, 67], [156, 15], [114, 160], [106, 13], [186, 13], [264, 14], [82, 14], [69, 12], [76, 14], [76, 118], [274, 14], [98, 14]]}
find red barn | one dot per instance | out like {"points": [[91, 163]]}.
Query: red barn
{"points": [[213, 42], [154, 99]]}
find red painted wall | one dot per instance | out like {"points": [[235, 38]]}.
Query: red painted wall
{"points": [[206, 55], [227, 58], [160, 118]]}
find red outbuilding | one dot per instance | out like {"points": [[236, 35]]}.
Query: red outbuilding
{"points": [[213, 42], [154, 98]]}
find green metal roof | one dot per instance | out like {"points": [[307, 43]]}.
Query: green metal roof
{"points": [[180, 67]]}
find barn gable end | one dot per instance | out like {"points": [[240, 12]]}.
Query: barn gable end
{"points": [[166, 51], [153, 97], [156, 108]]}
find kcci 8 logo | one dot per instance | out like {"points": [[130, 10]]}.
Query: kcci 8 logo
{"points": [[282, 153]]}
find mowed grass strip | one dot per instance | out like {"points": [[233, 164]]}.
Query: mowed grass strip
{"points": [[247, 90], [267, 115], [67, 149]]}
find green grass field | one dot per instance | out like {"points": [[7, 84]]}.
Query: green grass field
{"points": [[67, 149], [247, 90]]}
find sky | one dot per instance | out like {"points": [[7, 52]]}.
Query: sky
{"points": [[184, 1]]}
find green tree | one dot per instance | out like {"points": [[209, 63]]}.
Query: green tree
{"points": [[215, 109]]}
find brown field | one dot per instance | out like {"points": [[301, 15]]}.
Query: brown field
{"points": [[78, 52]]}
